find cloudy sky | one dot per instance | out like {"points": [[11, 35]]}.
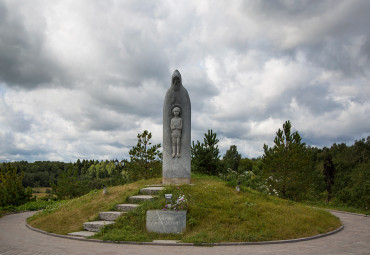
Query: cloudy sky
{"points": [[80, 79]]}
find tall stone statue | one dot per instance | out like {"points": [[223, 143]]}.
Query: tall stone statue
{"points": [[176, 133]]}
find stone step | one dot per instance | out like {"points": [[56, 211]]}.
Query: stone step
{"points": [[140, 198], [109, 215], [126, 207], [151, 190], [83, 233], [96, 225]]}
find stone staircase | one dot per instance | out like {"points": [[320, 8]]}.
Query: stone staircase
{"points": [[107, 218]]}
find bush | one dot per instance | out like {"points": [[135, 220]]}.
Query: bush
{"points": [[12, 191]]}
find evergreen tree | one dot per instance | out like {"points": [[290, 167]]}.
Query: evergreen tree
{"points": [[286, 165], [69, 185], [145, 160], [329, 171], [245, 165], [232, 158], [12, 191], [205, 157]]}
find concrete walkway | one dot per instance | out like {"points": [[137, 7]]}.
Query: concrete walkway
{"points": [[16, 238]]}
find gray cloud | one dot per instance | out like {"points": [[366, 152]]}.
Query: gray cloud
{"points": [[81, 79]]}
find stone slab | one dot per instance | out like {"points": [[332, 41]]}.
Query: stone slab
{"points": [[111, 216], [82, 233], [126, 207], [140, 198], [165, 222], [151, 190], [95, 226]]}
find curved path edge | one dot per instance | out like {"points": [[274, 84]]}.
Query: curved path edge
{"points": [[167, 243]]}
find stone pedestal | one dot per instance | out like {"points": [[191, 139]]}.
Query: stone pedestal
{"points": [[165, 222]]}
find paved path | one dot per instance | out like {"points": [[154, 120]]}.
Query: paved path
{"points": [[16, 238]]}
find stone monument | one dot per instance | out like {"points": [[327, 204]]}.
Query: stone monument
{"points": [[165, 222], [176, 133]]}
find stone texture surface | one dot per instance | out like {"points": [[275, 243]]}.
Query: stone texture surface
{"points": [[176, 167], [176, 180], [151, 190], [165, 222], [95, 226], [82, 233], [140, 198], [109, 215], [126, 207]]}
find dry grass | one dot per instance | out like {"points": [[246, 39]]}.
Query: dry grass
{"points": [[70, 216], [40, 192]]}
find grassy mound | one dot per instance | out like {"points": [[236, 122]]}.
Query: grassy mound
{"points": [[216, 213]]}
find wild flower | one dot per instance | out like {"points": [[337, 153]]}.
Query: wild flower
{"points": [[179, 205]]}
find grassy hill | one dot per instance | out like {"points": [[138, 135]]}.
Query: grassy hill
{"points": [[216, 213]]}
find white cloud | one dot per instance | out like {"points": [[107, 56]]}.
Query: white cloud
{"points": [[82, 79]]}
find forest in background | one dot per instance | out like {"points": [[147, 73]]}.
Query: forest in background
{"points": [[290, 169]]}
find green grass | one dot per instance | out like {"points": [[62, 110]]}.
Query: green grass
{"points": [[31, 206], [216, 213]]}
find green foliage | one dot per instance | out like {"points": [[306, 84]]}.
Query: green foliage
{"points": [[69, 185], [249, 175], [329, 171], [352, 176], [105, 169], [231, 159], [245, 165], [145, 160], [205, 157], [30, 206], [12, 191], [286, 165]]}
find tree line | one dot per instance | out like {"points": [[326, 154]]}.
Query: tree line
{"points": [[289, 169]]}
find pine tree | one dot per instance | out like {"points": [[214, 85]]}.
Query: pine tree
{"points": [[12, 191], [205, 157], [145, 160], [286, 165], [232, 158], [329, 171]]}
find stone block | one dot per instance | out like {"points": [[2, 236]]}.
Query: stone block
{"points": [[82, 233], [165, 222], [95, 226], [126, 207], [151, 190], [109, 215], [140, 198]]}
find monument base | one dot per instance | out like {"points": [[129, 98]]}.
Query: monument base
{"points": [[170, 181]]}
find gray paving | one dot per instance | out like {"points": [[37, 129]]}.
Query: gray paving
{"points": [[16, 238]]}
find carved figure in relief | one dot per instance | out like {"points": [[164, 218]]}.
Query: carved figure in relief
{"points": [[176, 128]]}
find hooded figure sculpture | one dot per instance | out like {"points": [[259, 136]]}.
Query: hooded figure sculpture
{"points": [[176, 133]]}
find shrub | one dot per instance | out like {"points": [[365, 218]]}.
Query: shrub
{"points": [[12, 191]]}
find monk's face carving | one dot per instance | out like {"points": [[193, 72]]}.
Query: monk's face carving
{"points": [[176, 82]]}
